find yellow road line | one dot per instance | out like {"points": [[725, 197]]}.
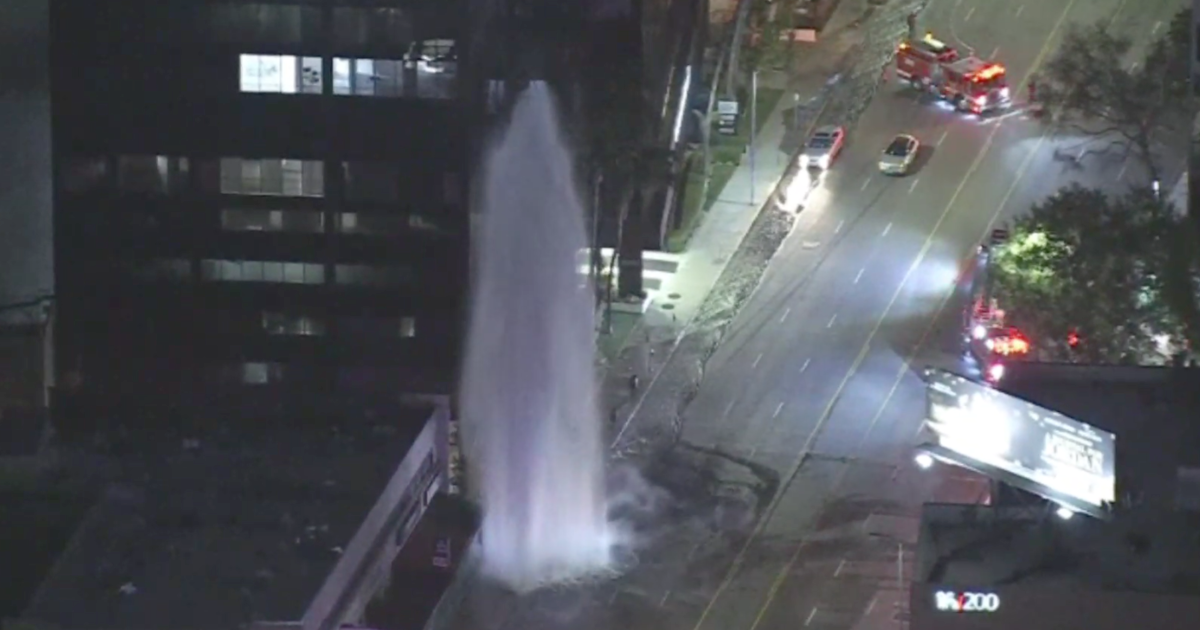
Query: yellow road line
{"points": [[740, 558]]}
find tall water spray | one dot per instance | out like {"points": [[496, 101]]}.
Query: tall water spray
{"points": [[530, 416]]}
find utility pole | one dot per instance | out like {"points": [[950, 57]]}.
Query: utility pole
{"points": [[753, 127]]}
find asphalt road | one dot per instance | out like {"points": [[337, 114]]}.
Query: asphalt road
{"points": [[809, 410]]}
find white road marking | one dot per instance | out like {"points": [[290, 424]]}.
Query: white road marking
{"points": [[662, 602], [1081, 152], [1019, 10], [871, 606], [841, 565], [1121, 173], [756, 360], [831, 320], [728, 408], [1157, 25], [967, 18], [995, 119], [805, 366], [887, 229], [1133, 66], [995, 53], [839, 226], [786, 312], [859, 276], [778, 410], [913, 186], [866, 182], [943, 138], [811, 614]]}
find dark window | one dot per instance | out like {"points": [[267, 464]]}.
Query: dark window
{"points": [[371, 224], [157, 174], [367, 275], [263, 23], [372, 181], [277, 177], [259, 220], [372, 27], [371, 328], [178, 270], [84, 174]]}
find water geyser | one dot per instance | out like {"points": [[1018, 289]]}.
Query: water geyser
{"points": [[530, 417]]}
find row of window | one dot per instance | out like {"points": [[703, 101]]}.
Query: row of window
{"points": [[376, 182], [277, 272], [272, 373], [288, 324], [415, 77], [313, 222]]}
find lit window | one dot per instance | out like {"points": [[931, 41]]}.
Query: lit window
{"points": [[280, 74], [437, 68], [368, 77], [262, 373], [278, 177], [298, 325], [408, 327], [261, 271]]}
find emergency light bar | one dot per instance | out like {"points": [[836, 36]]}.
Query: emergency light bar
{"points": [[988, 73]]}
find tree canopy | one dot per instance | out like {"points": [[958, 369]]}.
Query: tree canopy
{"points": [[1095, 84], [1086, 263]]}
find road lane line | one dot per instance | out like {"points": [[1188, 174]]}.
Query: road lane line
{"points": [[786, 312], [913, 186], [943, 138], [967, 17], [728, 408], [865, 183], [859, 276], [812, 613], [1121, 173], [871, 606], [839, 226], [778, 410], [663, 602], [887, 229], [841, 565], [1019, 10], [756, 360], [805, 366], [1154, 31], [823, 419], [831, 320], [995, 53]]}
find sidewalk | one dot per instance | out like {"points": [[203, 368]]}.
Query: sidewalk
{"points": [[652, 338]]}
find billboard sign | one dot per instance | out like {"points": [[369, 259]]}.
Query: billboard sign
{"points": [[1021, 438]]}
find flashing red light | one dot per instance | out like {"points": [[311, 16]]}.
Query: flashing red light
{"points": [[988, 73], [1073, 339], [1010, 346]]}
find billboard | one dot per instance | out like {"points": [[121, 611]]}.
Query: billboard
{"points": [[1031, 442]]}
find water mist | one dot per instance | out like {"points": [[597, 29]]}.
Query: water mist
{"points": [[530, 417]]}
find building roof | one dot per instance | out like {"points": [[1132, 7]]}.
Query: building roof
{"points": [[224, 534], [1151, 410], [981, 546]]}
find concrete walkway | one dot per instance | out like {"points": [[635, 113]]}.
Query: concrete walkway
{"points": [[679, 295]]}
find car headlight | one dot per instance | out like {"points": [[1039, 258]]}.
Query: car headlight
{"points": [[1004, 92], [823, 162], [803, 160]]}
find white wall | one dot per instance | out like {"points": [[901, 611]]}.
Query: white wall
{"points": [[26, 253]]}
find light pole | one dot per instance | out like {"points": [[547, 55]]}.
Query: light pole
{"points": [[753, 127]]}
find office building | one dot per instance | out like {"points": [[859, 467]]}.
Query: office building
{"points": [[259, 206]]}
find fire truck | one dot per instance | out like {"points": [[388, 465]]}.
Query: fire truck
{"points": [[969, 83], [989, 340]]}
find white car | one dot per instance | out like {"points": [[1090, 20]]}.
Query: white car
{"points": [[898, 157], [823, 147]]}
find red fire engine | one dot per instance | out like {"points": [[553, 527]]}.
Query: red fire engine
{"points": [[969, 83]]}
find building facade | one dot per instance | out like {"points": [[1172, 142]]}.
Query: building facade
{"points": [[257, 204]]}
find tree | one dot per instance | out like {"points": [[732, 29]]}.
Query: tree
{"points": [[1182, 276], [1082, 262], [1091, 86]]}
